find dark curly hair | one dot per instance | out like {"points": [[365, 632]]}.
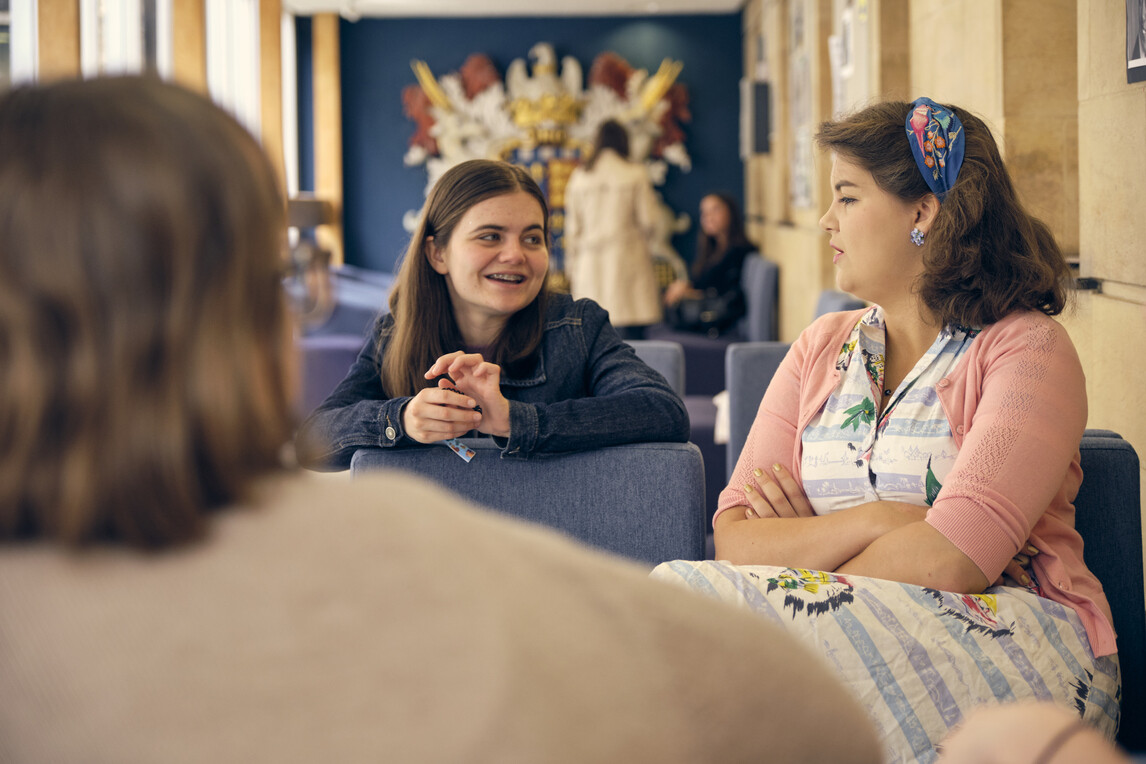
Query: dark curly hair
{"points": [[986, 255]]}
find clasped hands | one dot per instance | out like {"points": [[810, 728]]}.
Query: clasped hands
{"points": [[775, 493], [439, 413]]}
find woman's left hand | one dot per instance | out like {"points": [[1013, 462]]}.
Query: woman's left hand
{"points": [[775, 493], [481, 380]]}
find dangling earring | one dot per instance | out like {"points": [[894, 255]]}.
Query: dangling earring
{"points": [[917, 237]]}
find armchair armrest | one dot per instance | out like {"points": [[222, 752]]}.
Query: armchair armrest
{"points": [[748, 367]]}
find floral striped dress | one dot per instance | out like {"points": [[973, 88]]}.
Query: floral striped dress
{"points": [[918, 658]]}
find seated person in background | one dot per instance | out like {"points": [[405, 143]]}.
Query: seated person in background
{"points": [[470, 313], [721, 247], [170, 591], [930, 439]]}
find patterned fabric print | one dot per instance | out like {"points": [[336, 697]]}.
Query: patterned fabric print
{"points": [[919, 659], [936, 137], [849, 457]]}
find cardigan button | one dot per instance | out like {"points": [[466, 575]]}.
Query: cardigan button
{"points": [[943, 383], [959, 429], [391, 434]]}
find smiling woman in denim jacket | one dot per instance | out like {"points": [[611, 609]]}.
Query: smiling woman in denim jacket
{"points": [[470, 314]]}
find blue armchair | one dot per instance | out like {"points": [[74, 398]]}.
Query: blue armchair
{"points": [[644, 501], [1108, 515], [327, 351], [749, 367], [324, 360], [666, 357], [704, 355]]}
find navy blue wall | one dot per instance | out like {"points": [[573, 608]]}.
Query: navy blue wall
{"points": [[375, 61]]}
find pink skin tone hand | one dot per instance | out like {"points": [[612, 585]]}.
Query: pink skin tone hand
{"points": [[479, 379]]}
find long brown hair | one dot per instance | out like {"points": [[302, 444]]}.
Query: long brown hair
{"points": [[708, 249], [424, 327], [986, 256], [611, 134], [144, 337]]}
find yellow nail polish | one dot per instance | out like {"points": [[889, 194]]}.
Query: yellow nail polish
{"points": [[747, 489], [776, 467], [757, 472], [1024, 579], [1032, 549]]}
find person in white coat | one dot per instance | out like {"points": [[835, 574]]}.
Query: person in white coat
{"points": [[610, 219]]}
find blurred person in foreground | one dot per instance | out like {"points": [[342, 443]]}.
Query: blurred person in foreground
{"points": [[1029, 731], [171, 591]]}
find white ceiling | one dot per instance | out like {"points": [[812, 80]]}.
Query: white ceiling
{"points": [[353, 9]]}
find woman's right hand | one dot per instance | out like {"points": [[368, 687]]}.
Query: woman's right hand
{"points": [[439, 413]]}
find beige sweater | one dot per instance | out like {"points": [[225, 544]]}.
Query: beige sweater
{"points": [[382, 620]]}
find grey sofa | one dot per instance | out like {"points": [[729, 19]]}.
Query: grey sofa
{"points": [[1108, 515], [644, 501]]}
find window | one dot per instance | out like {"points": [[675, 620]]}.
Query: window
{"points": [[125, 37], [17, 42], [233, 59], [5, 46]]}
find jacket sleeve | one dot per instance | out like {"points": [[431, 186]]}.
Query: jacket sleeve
{"points": [[1020, 436], [357, 414], [628, 402]]}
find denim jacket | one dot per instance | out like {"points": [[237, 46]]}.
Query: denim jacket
{"points": [[587, 389]]}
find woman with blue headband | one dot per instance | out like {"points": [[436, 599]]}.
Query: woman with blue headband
{"points": [[925, 450]]}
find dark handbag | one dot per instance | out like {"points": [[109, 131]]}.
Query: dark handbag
{"points": [[711, 314]]}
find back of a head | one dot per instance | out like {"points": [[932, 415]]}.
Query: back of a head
{"points": [[986, 255], [611, 135], [144, 338]]}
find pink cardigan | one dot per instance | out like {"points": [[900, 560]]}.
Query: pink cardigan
{"points": [[1016, 404]]}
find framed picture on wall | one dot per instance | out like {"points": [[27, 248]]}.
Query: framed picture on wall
{"points": [[755, 118], [1135, 40]]}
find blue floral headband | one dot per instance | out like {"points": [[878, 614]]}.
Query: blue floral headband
{"points": [[936, 138]]}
